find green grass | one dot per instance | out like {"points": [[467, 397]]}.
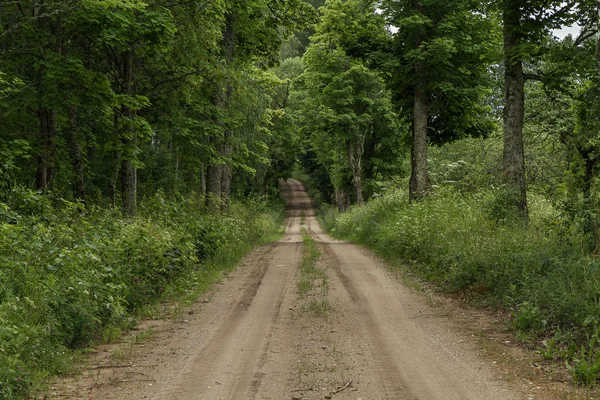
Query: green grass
{"points": [[466, 243], [70, 276], [312, 277]]}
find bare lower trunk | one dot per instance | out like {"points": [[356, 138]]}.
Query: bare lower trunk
{"points": [[128, 187], [115, 178], [226, 177], [213, 187], [202, 179], [514, 110], [76, 156], [420, 184], [341, 199], [219, 174], [46, 159], [355, 152], [128, 138]]}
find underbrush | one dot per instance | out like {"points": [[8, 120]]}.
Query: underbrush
{"points": [[466, 243], [71, 275]]}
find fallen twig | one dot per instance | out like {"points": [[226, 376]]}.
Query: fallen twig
{"points": [[303, 390], [121, 366], [342, 388], [111, 366]]}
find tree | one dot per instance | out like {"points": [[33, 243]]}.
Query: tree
{"points": [[345, 101], [441, 53], [570, 75], [524, 25], [251, 31]]}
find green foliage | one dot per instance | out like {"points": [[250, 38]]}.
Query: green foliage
{"points": [[345, 112], [453, 42], [585, 368], [528, 321], [312, 277], [69, 276]]}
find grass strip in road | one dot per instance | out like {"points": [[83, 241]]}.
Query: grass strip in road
{"points": [[313, 283]]}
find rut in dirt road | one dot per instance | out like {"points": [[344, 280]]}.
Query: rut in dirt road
{"points": [[227, 366], [415, 357]]}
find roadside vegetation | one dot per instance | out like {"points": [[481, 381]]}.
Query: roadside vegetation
{"points": [[472, 243], [71, 276]]}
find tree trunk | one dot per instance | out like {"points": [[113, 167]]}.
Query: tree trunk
{"points": [[115, 178], [213, 187], [128, 187], [226, 180], [202, 179], [591, 217], [128, 170], [341, 199], [514, 109], [219, 175], [76, 156], [46, 115], [46, 159], [420, 184], [355, 152]]}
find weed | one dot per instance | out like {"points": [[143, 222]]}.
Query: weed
{"points": [[585, 367], [111, 334], [528, 321], [320, 307], [550, 351], [304, 286], [311, 277], [144, 336]]}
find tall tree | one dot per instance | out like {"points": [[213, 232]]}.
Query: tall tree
{"points": [[345, 99], [251, 31], [442, 50], [524, 25]]}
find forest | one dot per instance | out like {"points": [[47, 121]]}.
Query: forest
{"points": [[142, 143]]}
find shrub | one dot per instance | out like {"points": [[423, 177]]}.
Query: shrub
{"points": [[67, 273]]}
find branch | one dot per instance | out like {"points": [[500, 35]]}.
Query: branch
{"points": [[532, 77], [585, 35], [198, 71], [561, 11]]}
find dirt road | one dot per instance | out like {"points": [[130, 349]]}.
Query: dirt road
{"points": [[255, 337]]}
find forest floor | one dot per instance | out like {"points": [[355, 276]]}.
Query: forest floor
{"points": [[351, 329]]}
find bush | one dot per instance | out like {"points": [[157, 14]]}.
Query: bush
{"points": [[67, 273]]}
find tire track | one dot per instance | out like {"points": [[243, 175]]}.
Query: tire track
{"points": [[415, 358], [229, 364], [392, 380], [254, 340]]}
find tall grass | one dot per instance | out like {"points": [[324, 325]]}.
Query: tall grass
{"points": [[462, 243], [68, 274]]}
